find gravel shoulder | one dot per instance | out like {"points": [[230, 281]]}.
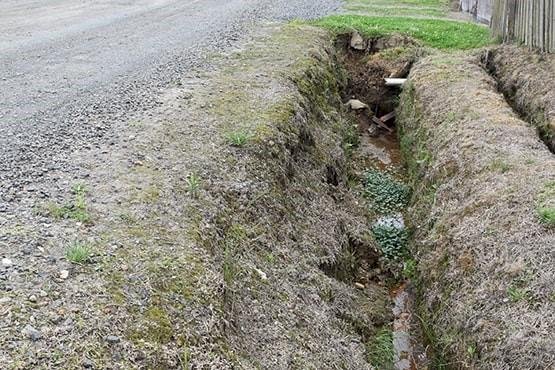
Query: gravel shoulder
{"points": [[185, 265]]}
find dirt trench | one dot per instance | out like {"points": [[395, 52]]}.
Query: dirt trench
{"points": [[378, 153], [526, 78]]}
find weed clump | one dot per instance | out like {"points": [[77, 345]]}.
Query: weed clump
{"points": [[391, 236], [76, 210], [387, 194], [78, 253], [381, 351], [238, 138], [192, 184]]}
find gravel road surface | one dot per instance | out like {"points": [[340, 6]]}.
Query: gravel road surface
{"points": [[68, 68], [78, 81]]}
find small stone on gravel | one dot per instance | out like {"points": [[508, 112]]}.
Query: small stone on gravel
{"points": [[31, 333], [64, 274], [112, 339], [6, 262], [88, 364]]}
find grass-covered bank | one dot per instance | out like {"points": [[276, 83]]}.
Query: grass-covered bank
{"points": [[436, 33], [481, 240]]}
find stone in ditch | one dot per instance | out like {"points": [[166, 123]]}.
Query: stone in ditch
{"points": [[31, 333], [356, 104], [357, 42]]}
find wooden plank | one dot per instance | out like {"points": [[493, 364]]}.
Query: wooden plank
{"points": [[387, 117], [379, 122]]}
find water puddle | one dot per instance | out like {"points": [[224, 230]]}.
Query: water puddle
{"points": [[409, 353]]}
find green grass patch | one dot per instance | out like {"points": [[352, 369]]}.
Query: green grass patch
{"points": [[437, 33], [546, 205], [238, 138], [78, 253], [395, 11], [381, 351], [547, 216]]}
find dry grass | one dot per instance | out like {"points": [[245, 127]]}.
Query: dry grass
{"points": [[527, 78], [486, 259]]}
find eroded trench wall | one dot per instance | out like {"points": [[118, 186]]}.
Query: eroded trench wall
{"points": [[527, 79], [479, 174]]}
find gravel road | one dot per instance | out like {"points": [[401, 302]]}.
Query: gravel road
{"points": [[77, 79], [68, 68]]}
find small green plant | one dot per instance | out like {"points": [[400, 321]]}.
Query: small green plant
{"points": [[545, 205], [77, 210], [471, 349], [193, 183], [270, 258], [238, 138], [516, 294], [387, 194], [410, 268], [381, 350], [78, 253], [351, 139], [547, 216], [392, 239]]}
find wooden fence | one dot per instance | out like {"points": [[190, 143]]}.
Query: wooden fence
{"points": [[531, 22], [480, 9]]}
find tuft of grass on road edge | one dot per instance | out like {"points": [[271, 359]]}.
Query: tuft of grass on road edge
{"points": [[437, 33]]}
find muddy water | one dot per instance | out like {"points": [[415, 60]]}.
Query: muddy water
{"points": [[380, 149], [410, 353]]}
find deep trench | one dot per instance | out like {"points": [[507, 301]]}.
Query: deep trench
{"points": [[510, 93], [378, 149]]}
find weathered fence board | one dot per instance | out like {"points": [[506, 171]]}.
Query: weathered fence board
{"points": [[480, 9], [531, 22]]}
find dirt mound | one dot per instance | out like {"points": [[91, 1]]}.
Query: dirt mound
{"points": [[482, 181], [527, 79]]}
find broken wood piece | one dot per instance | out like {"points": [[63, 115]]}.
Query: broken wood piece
{"points": [[395, 81], [387, 117], [379, 122]]}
